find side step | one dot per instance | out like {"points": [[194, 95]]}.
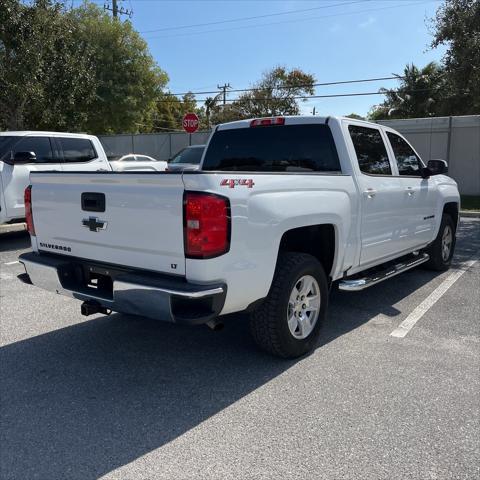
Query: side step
{"points": [[360, 283]]}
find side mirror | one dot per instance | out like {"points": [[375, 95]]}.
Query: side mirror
{"points": [[21, 158], [425, 172], [437, 167]]}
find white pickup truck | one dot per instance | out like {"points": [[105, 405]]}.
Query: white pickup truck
{"points": [[280, 209]]}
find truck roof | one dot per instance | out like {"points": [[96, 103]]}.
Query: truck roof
{"points": [[290, 120], [22, 133]]}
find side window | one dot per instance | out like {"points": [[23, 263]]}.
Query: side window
{"points": [[77, 149], [407, 160], [143, 158], [370, 149], [40, 145]]}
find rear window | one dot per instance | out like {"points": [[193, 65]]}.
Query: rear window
{"points": [[371, 151], [77, 149], [286, 148]]}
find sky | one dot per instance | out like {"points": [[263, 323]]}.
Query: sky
{"points": [[335, 40]]}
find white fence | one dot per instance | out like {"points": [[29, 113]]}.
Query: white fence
{"points": [[455, 139], [161, 146]]}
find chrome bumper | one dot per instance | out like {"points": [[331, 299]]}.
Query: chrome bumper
{"points": [[160, 297]]}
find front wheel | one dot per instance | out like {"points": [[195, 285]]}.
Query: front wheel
{"points": [[287, 324], [442, 248]]}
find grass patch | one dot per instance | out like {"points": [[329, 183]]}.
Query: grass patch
{"points": [[470, 202]]}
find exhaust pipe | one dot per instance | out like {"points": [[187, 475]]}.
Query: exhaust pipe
{"points": [[216, 325], [90, 308]]}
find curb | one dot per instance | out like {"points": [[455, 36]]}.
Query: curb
{"points": [[12, 227], [469, 214]]}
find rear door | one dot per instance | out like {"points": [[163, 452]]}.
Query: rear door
{"points": [[130, 219], [419, 194], [15, 178], [382, 230]]}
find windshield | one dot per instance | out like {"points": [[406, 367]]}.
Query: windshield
{"points": [[289, 148], [189, 155], [5, 145]]}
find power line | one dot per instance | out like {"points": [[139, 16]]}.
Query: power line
{"points": [[342, 14], [324, 84], [334, 95], [241, 19]]}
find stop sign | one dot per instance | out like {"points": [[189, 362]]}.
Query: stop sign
{"points": [[190, 122]]}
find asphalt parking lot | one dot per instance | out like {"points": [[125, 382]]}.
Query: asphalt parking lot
{"points": [[122, 397]]}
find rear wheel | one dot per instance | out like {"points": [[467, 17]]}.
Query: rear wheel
{"points": [[442, 249], [287, 324]]}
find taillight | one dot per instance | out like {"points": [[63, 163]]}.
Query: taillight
{"points": [[263, 122], [28, 210], [206, 225]]}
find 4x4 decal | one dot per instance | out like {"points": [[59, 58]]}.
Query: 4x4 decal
{"points": [[232, 182]]}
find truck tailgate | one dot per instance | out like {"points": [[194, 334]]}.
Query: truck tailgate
{"points": [[140, 224]]}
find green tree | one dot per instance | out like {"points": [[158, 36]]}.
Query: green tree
{"points": [[457, 25], [169, 111], [44, 74], [275, 94], [355, 116], [420, 94], [128, 81], [75, 70], [212, 109]]}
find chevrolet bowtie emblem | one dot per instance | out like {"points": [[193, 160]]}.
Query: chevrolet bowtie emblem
{"points": [[94, 224]]}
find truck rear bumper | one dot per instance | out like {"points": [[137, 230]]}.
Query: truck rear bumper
{"points": [[161, 297]]}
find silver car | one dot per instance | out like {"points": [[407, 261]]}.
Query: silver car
{"points": [[134, 161], [186, 159]]}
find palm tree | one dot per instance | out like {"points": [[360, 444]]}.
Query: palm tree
{"points": [[420, 94], [211, 105]]}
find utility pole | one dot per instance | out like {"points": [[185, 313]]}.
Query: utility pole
{"points": [[117, 11], [224, 88]]}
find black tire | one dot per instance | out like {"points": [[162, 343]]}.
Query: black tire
{"points": [[439, 261], [268, 322]]}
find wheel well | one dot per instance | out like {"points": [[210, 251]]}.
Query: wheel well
{"points": [[316, 240], [452, 210]]}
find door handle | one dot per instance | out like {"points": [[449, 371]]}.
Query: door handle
{"points": [[410, 191], [93, 202], [370, 192]]}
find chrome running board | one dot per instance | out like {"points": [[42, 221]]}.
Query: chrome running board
{"points": [[360, 283]]}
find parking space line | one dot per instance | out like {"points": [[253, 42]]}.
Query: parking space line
{"points": [[433, 298], [12, 263]]}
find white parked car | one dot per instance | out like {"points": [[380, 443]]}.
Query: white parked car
{"points": [[135, 161], [280, 209], [22, 153]]}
